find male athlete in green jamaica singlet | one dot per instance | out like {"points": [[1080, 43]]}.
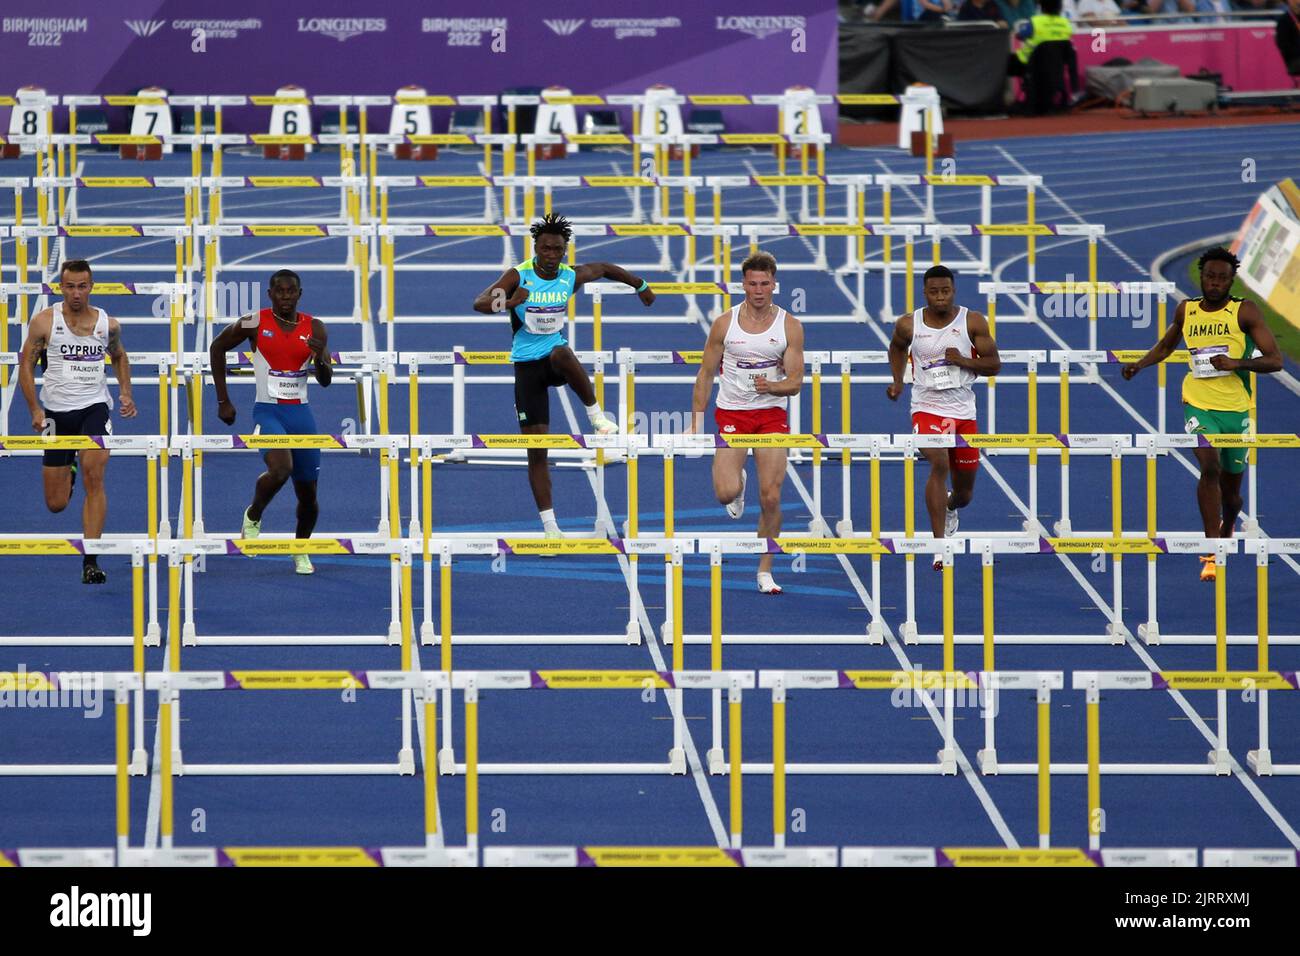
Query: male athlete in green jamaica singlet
{"points": [[536, 293], [1223, 334]]}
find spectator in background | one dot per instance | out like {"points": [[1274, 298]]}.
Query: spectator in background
{"points": [[931, 10], [1013, 11], [1098, 13], [1258, 4], [1287, 37], [981, 10], [1040, 28]]}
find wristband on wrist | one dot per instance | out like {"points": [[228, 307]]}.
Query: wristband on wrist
{"points": [[644, 285]]}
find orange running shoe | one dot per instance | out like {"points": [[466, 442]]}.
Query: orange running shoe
{"points": [[1208, 570]]}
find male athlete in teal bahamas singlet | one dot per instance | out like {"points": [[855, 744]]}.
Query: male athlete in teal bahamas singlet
{"points": [[538, 322]]}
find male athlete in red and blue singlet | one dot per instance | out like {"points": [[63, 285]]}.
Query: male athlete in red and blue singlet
{"points": [[286, 343]]}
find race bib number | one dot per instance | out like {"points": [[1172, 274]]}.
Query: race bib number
{"points": [[287, 385], [85, 371], [1202, 360], [751, 372], [941, 375], [545, 321]]}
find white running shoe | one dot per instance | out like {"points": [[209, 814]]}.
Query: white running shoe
{"points": [[736, 508], [950, 523], [302, 564], [602, 424], [766, 585], [554, 534]]}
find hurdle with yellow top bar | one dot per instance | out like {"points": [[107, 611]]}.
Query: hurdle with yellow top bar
{"points": [[923, 684], [1219, 762], [673, 683]]}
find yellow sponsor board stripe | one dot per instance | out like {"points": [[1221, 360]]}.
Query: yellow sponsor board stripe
{"points": [[580, 679], [443, 181], [1132, 355], [1013, 441], [867, 99], [1014, 229], [290, 441], [649, 230], [832, 545], [939, 179], [424, 100], [286, 230], [125, 139], [528, 441], [657, 856], [37, 546], [622, 181], [264, 100], [296, 680], [830, 229], [685, 288], [41, 443], [124, 100], [468, 231], [267, 139], [719, 99], [787, 180], [441, 139], [485, 358], [1106, 545], [998, 857], [916, 680], [1247, 441], [111, 182], [771, 441], [290, 546], [598, 139], [90, 232], [299, 856], [580, 99], [1228, 680], [24, 681], [693, 357], [752, 139], [101, 288], [297, 182], [542, 546]]}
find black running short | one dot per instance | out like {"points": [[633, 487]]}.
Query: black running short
{"points": [[80, 421], [532, 396]]}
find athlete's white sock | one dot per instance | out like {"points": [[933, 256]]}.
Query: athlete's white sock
{"points": [[593, 411], [548, 520]]}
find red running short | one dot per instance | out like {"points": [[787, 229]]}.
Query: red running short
{"points": [[960, 459], [756, 421]]}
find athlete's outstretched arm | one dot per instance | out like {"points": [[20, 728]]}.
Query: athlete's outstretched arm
{"points": [[594, 271], [986, 360], [898, 348], [709, 364], [1253, 324], [502, 295], [320, 353], [1162, 349], [230, 338], [38, 336], [121, 368]]}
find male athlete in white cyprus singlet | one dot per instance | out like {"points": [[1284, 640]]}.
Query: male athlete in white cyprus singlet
{"points": [[759, 348], [950, 347], [71, 339]]}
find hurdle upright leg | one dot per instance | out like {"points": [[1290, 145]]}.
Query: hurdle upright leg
{"points": [[447, 756], [1044, 700], [778, 766], [122, 780], [715, 756], [737, 788], [1096, 817], [1261, 759]]}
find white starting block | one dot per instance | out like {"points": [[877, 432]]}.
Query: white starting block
{"points": [[291, 119], [30, 117], [919, 98], [662, 116], [411, 117], [152, 119], [556, 119]]}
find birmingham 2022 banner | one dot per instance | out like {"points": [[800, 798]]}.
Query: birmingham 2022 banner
{"points": [[462, 47]]}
